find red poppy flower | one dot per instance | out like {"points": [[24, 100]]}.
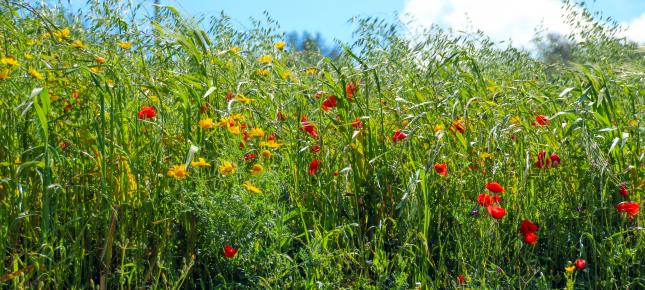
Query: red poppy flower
{"points": [[528, 227], [229, 96], [540, 160], [313, 166], [147, 112], [496, 211], [229, 251], [272, 137], [623, 190], [350, 90], [531, 238], [461, 279], [329, 103], [459, 126], [631, 208], [398, 135], [542, 120], [245, 135], [357, 124], [309, 128], [488, 200], [249, 156], [315, 149], [441, 169], [495, 187], [555, 159], [581, 264]]}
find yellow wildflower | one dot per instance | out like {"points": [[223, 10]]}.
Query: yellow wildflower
{"points": [[10, 61], [256, 132], [286, 74], [242, 99], [125, 44], [238, 116], [262, 72], [178, 172], [154, 99], [100, 60], [35, 74], [95, 69], [256, 169], [485, 155], [206, 123], [632, 122], [265, 59], [250, 187], [515, 120], [62, 34], [54, 98], [227, 168], [270, 144], [78, 44], [235, 130], [311, 70], [234, 49], [438, 128], [280, 45], [201, 162], [570, 268], [4, 73], [266, 153]]}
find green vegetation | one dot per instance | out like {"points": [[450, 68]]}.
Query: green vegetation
{"points": [[133, 149]]}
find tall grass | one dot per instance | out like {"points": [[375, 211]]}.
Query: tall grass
{"points": [[86, 200]]}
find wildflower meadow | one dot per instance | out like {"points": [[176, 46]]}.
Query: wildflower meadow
{"points": [[156, 150]]}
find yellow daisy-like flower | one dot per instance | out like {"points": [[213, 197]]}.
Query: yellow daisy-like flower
{"points": [[262, 72], [486, 155], [632, 122], [201, 162], [257, 169], [227, 168], [250, 187], [95, 69], [35, 74], [286, 74], [63, 33], [266, 153], [100, 60], [178, 172], [280, 45], [10, 61], [206, 123], [311, 71], [270, 144], [265, 59], [256, 132], [125, 44], [4, 73], [515, 120], [78, 44], [438, 128], [234, 49], [242, 99], [570, 268], [235, 130]]}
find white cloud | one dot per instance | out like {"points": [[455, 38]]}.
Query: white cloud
{"points": [[499, 19], [635, 29]]}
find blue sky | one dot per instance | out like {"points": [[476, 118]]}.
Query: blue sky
{"points": [[501, 19]]}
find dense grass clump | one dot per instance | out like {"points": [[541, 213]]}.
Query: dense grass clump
{"points": [[147, 152]]}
